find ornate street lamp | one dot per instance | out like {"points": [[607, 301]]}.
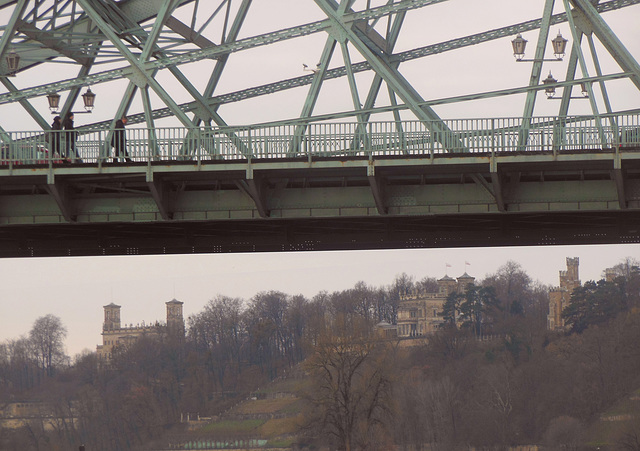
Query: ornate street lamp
{"points": [[54, 102], [89, 99], [549, 82], [519, 44], [13, 62], [559, 45]]}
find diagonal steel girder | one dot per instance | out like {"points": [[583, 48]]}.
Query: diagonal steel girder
{"points": [[232, 36], [92, 8], [387, 70], [77, 30], [583, 64], [10, 30], [149, 46], [609, 40], [217, 51], [536, 68], [268, 38]]}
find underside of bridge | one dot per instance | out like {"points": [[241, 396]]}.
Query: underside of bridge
{"points": [[284, 235]]}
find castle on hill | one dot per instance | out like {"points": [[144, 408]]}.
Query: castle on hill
{"points": [[560, 296], [114, 334], [420, 315]]}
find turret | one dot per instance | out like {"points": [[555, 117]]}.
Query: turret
{"points": [[111, 317], [175, 320], [446, 286]]}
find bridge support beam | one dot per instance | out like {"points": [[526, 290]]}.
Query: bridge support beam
{"points": [[377, 189], [617, 174], [256, 190], [496, 180], [160, 196], [60, 192]]}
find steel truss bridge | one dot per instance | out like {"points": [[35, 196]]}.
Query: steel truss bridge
{"points": [[223, 160]]}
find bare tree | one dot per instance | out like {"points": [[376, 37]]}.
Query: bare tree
{"points": [[427, 285], [351, 397], [47, 340], [217, 332], [513, 288], [630, 438], [566, 432], [364, 301]]}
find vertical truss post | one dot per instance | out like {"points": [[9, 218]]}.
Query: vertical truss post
{"points": [[583, 68], [536, 68]]}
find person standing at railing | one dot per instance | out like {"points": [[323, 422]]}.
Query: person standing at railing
{"points": [[54, 136], [119, 141], [71, 135]]}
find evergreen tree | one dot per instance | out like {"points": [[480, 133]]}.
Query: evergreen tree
{"points": [[594, 303]]}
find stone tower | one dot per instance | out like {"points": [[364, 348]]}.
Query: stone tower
{"points": [[559, 297], [464, 282], [175, 320], [111, 317], [570, 279], [447, 285]]}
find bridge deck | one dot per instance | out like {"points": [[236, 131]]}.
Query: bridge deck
{"points": [[327, 186]]}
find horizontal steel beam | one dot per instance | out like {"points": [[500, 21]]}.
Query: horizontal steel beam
{"points": [[321, 234]]}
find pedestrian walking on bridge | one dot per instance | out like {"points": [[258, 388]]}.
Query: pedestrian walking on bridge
{"points": [[119, 141], [71, 135]]}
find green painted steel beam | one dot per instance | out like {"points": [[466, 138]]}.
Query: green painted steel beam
{"points": [[536, 67], [312, 202], [294, 32], [214, 52], [609, 40], [575, 182]]}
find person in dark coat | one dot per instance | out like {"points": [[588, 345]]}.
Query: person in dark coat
{"points": [[54, 136], [119, 141], [71, 135]]}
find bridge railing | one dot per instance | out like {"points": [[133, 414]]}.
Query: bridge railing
{"points": [[402, 138]]}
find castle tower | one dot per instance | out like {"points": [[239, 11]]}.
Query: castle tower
{"points": [[446, 286], [175, 320], [570, 278], [559, 297], [464, 281], [111, 317], [610, 274]]}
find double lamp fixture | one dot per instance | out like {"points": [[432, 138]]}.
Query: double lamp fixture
{"points": [[88, 98]]}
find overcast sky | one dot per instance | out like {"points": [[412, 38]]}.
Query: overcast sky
{"points": [[76, 289]]}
